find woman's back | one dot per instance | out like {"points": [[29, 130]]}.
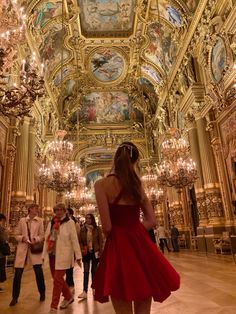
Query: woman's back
{"points": [[113, 190]]}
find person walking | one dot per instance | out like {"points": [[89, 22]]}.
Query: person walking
{"points": [[29, 231], [91, 243], [62, 247], [131, 268], [174, 233], [70, 271], [161, 232], [3, 241]]}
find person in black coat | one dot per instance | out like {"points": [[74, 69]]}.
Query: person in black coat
{"points": [[174, 233]]}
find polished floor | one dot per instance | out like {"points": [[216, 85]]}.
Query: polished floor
{"points": [[208, 286]]}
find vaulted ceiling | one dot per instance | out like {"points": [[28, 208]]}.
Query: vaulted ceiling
{"points": [[102, 56]]}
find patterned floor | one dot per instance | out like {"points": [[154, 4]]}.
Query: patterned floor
{"points": [[208, 286]]}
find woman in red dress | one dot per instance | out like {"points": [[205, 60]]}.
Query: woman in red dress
{"points": [[131, 268]]}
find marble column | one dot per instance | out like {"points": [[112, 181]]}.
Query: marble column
{"points": [[18, 200], [31, 163], [9, 165], [21, 164], [222, 172], [199, 184], [211, 185]]}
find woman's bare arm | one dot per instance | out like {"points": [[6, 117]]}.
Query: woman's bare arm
{"points": [[149, 220], [103, 207]]}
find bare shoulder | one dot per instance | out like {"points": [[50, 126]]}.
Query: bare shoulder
{"points": [[99, 182]]}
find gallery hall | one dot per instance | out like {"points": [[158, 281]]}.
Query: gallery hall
{"points": [[118, 156]]}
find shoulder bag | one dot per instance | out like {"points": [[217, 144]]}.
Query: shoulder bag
{"points": [[37, 247]]}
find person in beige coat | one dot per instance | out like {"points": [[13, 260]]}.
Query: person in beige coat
{"points": [[62, 247], [29, 230]]}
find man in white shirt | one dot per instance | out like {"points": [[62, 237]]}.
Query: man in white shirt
{"points": [[161, 232]]}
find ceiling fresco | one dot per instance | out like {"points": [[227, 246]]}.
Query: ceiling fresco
{"points": [[107, 108], [107, 65], [162, 50], [106, 17], [51, 51], [106, 62], [167, 11], [45, 12]]}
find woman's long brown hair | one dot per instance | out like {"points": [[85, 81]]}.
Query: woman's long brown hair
{"points": [[126, 155]]}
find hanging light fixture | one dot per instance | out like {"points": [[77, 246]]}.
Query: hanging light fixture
{"points": [[17, 93], [12, 31], [60, 150], [17, 100], [177, 169]]}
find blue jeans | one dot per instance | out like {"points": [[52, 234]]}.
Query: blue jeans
{"points": [[87, 261]]}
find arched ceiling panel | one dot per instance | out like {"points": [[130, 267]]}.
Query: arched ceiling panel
{"points": [[105, 18], [149, 71]]}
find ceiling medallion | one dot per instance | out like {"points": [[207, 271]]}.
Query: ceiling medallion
{"points": [[107, 65]]}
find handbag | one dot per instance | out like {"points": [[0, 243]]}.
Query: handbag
{"points": [[5, 249], [37, 247]]}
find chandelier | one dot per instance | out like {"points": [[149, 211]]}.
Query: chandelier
{"points": [[80, 198], [156, 195], [60, 177], [151, 187], [60, 150], [62, 174], [177, 169], [17, 100], [12, 31]]}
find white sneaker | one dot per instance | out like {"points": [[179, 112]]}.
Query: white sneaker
{"points": [[64, 304], [52, 310], [82, 295]]}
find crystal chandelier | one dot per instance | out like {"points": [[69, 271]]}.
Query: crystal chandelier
{"points": [[151, 187], [60, 177], [77, 199], [62, 174], [12, 31], [177, 169], [60, 149], [156, 195], [17, 100]]}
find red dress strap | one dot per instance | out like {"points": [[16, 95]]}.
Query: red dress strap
{"points": [[118, 197]]}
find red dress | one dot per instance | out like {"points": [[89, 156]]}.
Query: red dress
{"points": [[131, 266]]}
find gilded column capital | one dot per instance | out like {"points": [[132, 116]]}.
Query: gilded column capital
{"points": [[196, 109], [190, 121]]}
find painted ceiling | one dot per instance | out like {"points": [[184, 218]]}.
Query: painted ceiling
{"points": [[98, 53], [106, 44]]}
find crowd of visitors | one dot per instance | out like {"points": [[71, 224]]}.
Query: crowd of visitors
{"points": [[119, 253]]}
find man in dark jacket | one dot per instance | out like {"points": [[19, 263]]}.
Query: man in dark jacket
{"points": [[174, 233]]}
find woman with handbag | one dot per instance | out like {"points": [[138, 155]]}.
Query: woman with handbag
{"points": [[30, 236], [3, 249], [91, 243]]}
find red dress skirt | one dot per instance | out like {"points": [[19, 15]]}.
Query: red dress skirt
{"points": [[131, 267]]}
